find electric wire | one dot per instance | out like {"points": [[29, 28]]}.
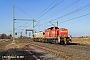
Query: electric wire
{"points": [[46, 8], [24, 12], [81, 8], [75, 18], [22, 25], [65, 7], [23, 19], [50, 9], [77, 10]]}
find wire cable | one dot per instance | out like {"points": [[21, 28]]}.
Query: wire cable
{"points": [[77, 10], [46, 8], [75, 18], [24, 12], [82, 8], [66, 7], [50, 9], [22, 25]]}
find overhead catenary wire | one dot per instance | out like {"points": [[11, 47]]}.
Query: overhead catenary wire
{"points": [[75, 18], [66, 7], [24, 12], [50, 9], [82, 8], [77, 10], [21, 25], [46, 8]]}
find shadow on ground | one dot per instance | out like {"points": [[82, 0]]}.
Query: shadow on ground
{"points": [[73, 44], [22, 54]]}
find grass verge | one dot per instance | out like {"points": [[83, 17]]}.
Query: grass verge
{"points": [[3, 44]]}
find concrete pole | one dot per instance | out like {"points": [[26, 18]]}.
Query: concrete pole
{"points": [[33, 23], [13, 24]]}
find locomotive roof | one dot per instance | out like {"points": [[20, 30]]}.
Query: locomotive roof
{"points": [[53, 27]]}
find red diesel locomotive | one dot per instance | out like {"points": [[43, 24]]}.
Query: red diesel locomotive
{"points": [[53, 35]]}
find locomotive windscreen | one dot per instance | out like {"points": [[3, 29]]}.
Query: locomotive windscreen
{"points": [[63, 30]]}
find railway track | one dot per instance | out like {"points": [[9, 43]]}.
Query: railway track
{"points": [[68, 52], [65, 53]]}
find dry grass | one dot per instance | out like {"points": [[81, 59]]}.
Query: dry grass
{"points": [[3, 44], [16, 45], [8, 45], [81, 40]]}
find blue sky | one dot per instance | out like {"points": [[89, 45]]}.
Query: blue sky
{"points": [[47, 11]]}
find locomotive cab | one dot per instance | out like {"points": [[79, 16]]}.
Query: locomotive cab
{"points": [[63, 33]]}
